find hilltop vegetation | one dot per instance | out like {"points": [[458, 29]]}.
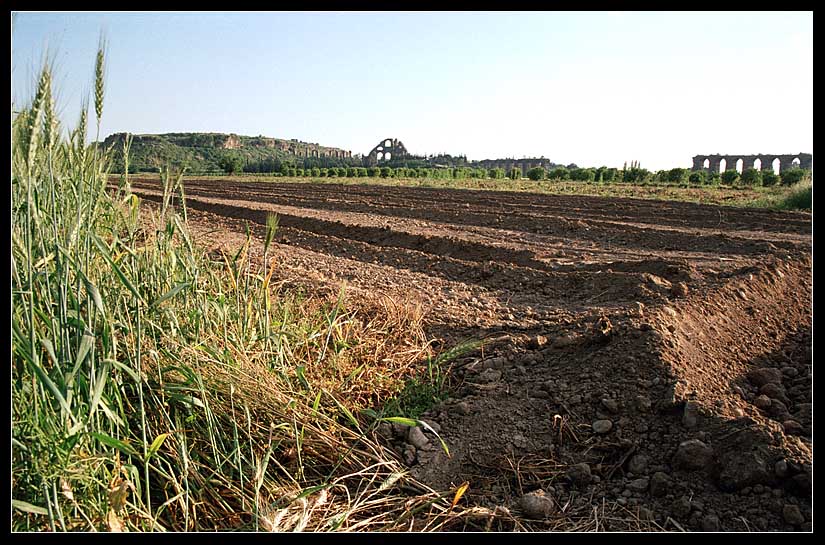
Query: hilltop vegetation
{"points": [[206, 152]]}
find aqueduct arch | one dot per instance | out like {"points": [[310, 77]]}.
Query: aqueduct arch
{"points": [[758, 161], [386, 150]]}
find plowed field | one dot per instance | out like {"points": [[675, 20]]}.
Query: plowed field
{"points": [[650, 355]]}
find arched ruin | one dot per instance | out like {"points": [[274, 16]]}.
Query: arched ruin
{"points": [[387, 149], [758, 161]]}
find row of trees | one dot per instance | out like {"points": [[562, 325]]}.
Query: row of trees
{"points": [[636, 174], [234, 164]]}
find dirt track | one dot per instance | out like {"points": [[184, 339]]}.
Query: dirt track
{"points": [[651, 315]]}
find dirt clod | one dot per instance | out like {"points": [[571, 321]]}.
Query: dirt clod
{"points": [[537, 504]]}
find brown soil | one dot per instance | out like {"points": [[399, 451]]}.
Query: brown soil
{"points": [[651, 315]]}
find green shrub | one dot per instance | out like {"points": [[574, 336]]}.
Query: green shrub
{"points": [[729, 177], [697, 178], [610, 174], [386, 172], [231, 164], [800, 197], [316, 172], [677, 175], [582, 174], [559, 173], [497, 173], [537, 173], [792, 176], [515, 173], [751, 177]]}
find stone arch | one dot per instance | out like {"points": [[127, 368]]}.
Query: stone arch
{"points": [[776, 165], [757, 163], [385, 150], [740, 165], [706, 164], [796, 162], [723, 165]]}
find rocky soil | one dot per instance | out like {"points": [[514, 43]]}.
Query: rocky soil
{"points": [[648, 364]]}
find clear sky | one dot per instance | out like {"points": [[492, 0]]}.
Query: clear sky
{"points": [[591, 88]]}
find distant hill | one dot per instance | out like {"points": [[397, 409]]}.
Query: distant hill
{"points": [[201, 152]]}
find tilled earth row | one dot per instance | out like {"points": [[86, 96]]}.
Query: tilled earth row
{"points": [[654, 356]]}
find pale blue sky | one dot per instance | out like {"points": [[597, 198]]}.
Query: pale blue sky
{"points": [[594, 88]]}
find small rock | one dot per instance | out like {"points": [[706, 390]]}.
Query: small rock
{"points": [[409, 455], [638, 485], [564, 341], [693, 454], [743, 469], [780, 469], [580, 474], [778, 409], [537, 342], [658, 281], [762, 402], [790, 372], [489, 375], [646, 514], [494, 363], [659, 484], [638, 464], [690, 415], [462, 407], [417, 438], [680, 507], [400, 430], [385, 430], [602, 426], [537, 505], [679, 289], [792, 514], [792, 427], [765, 375], [610, 405], [710, 523], [643, 403], [433, 424], [774, 391]]}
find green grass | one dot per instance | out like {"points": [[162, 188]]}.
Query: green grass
{"points": [[798, 197], [429, 387], [155, 387]]}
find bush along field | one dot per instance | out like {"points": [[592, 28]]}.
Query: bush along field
{"points": [[158, 388]]}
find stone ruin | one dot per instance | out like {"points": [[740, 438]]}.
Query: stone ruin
{"points": [[387, 149], [760, 161]]}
